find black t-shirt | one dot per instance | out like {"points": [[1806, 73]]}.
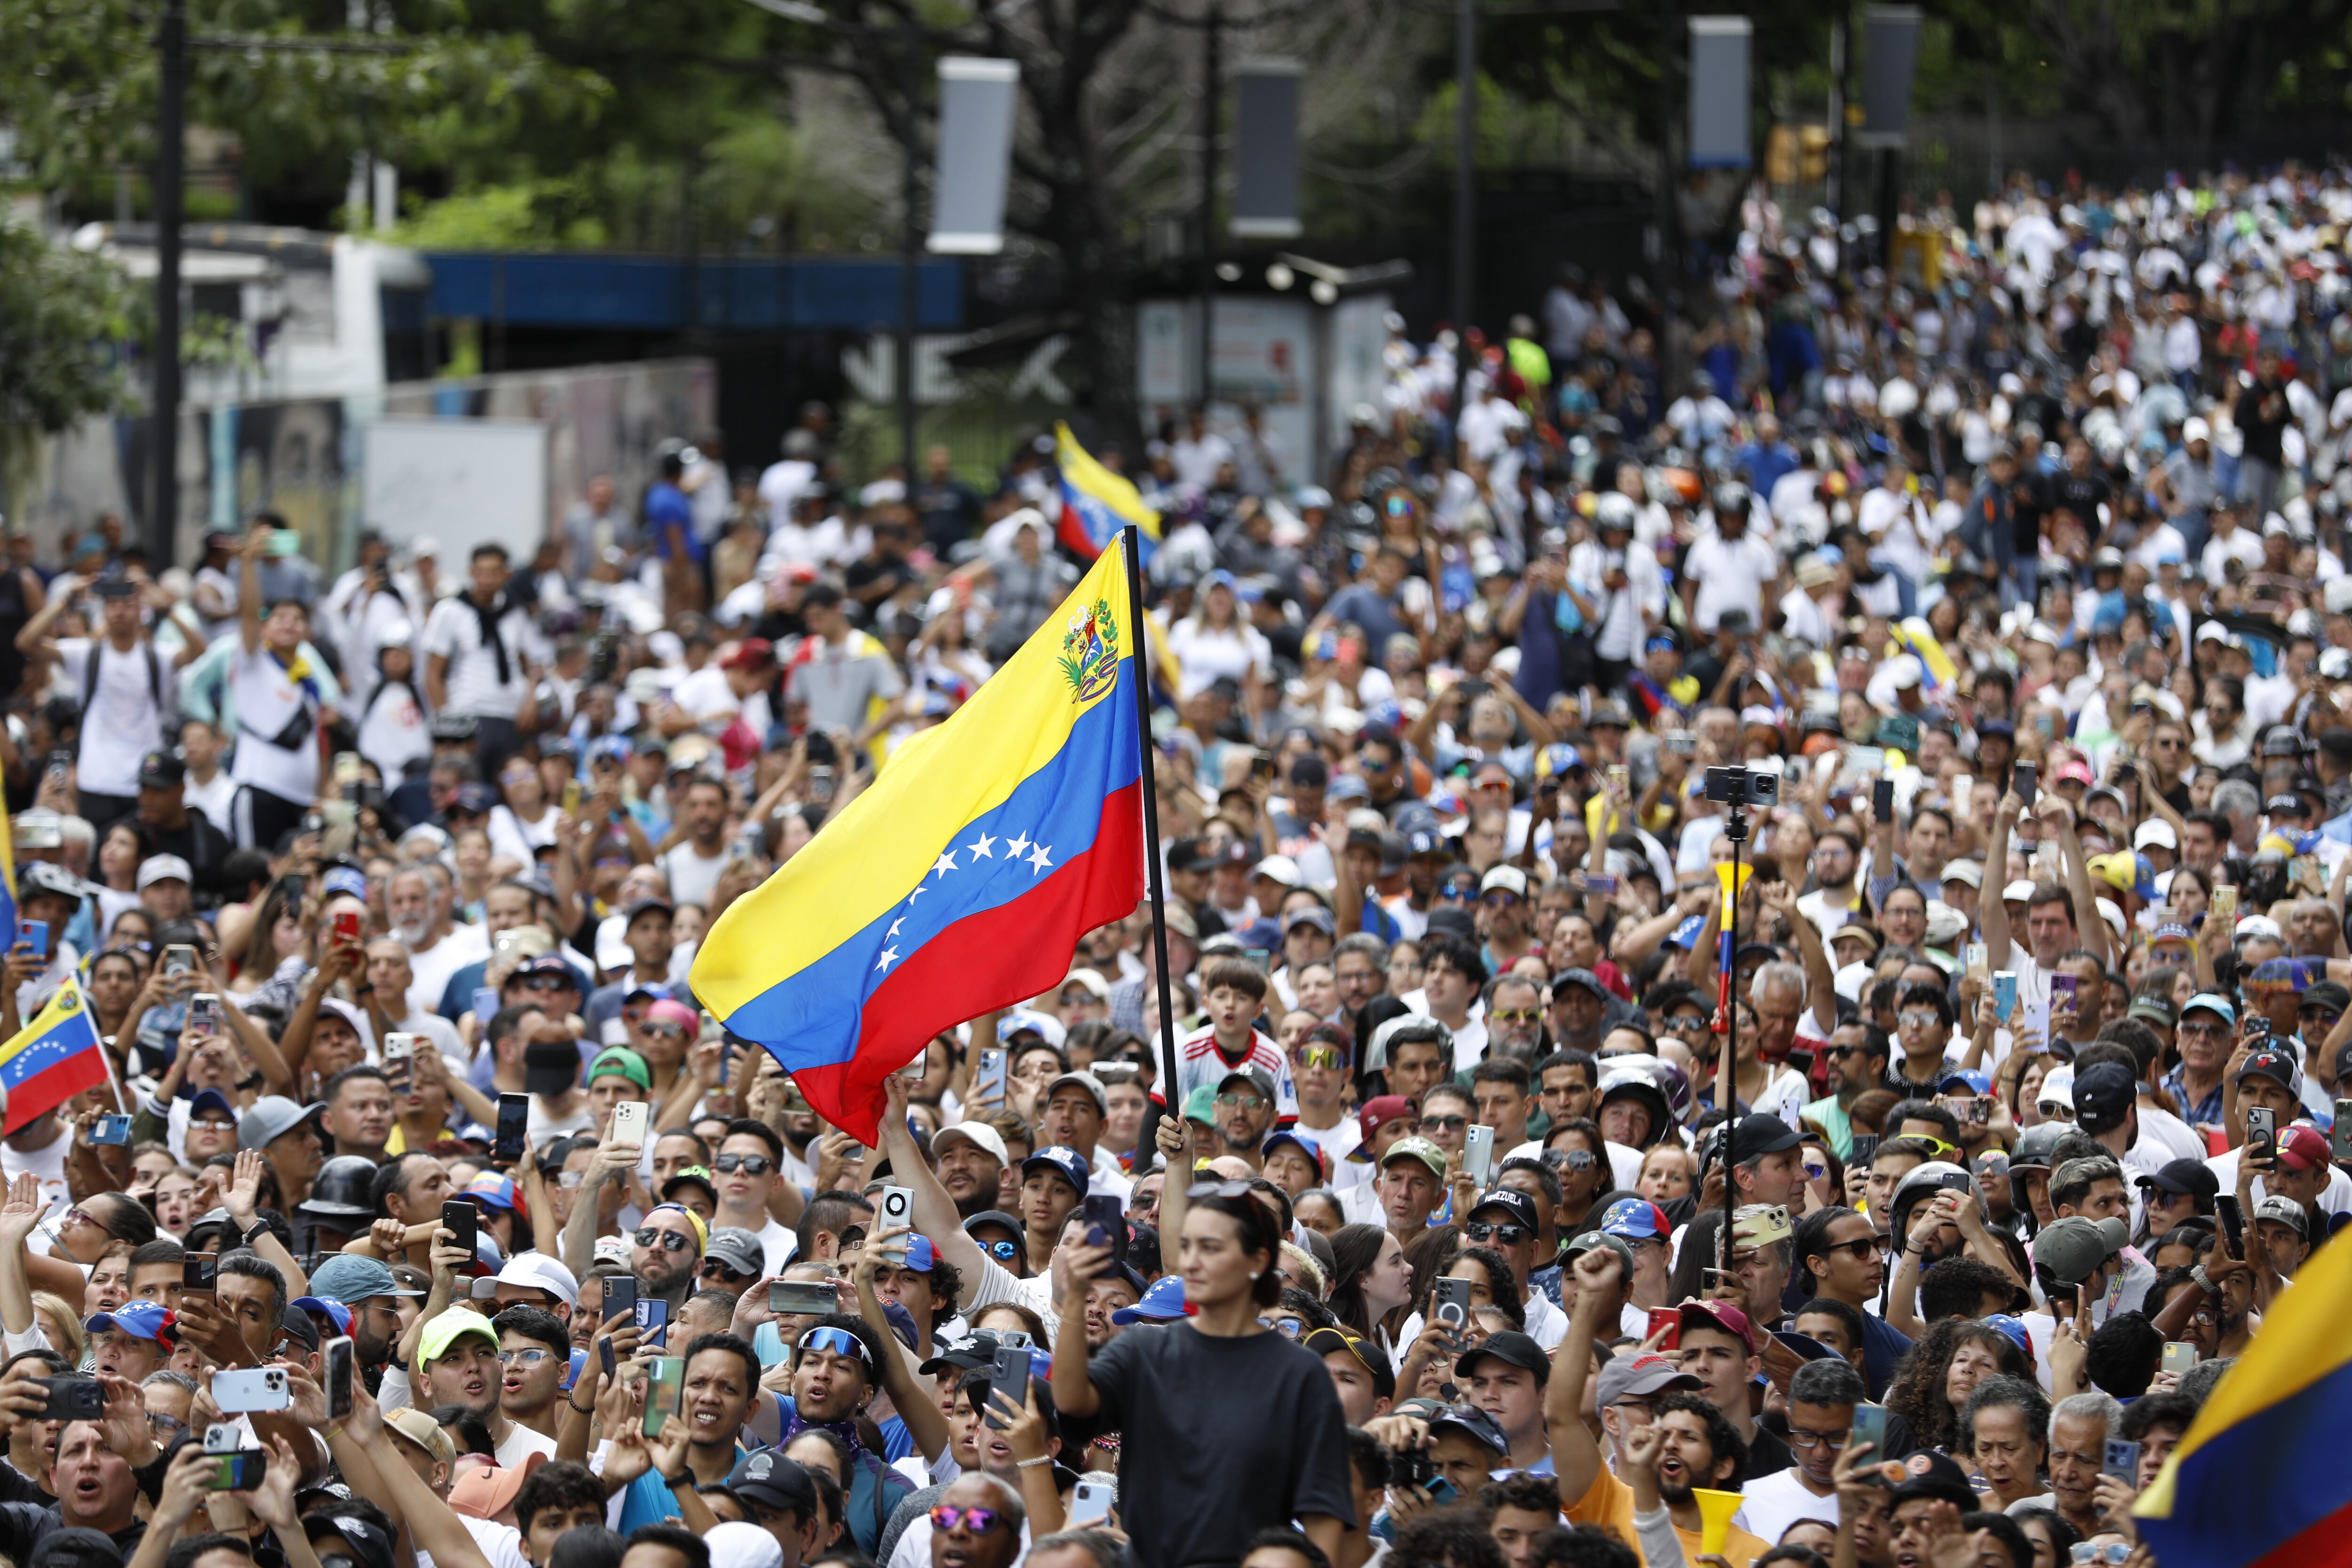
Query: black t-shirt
{"points": [[1220, 1438]]}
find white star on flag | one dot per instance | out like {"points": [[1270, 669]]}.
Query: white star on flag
{"points": [[980, 851], [1039, 859], [889, 955], [944, 863], [1017, 846], [893, 928]]}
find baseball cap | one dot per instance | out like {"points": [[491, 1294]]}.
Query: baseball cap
{"points": [[1476, 1422], [1636, 1219], [1063, 1161], [2286, 1211], [450, 1327], [1631, 1376], [1759, 1134], [1592, 1239], [424, 1431], [2185, 1177], [1510, 1201], [333, 1311], [2155, 832], [211, 1100], [969, 1353], [1508, 1346], [2303, 1149], [2074, 1247], [2211, 1002], [690, 1176], [1415, 1147], [1378, 1112], [532, 1271], [491, 1189], [978, 1134], [1968, 1079], [1968, 871], [140, 1321], [1936, 1476], [2104, 1096], [624, 1061], [1163, 1303], [771, 1480], [737, 1248], [2272, 1063], [161, 770], [1722, 1315], [162, 869], [350, 1278], [272, 1117], [1257, 1077]]}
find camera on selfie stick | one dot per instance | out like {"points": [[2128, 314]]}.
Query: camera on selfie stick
{"points": [[1735, 788]]}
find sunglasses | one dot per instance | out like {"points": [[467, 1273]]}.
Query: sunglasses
{"points": [[1242, 1101], [1323, 1057], [752, 1165], [1498, 898], [1457, 895], [1508, 1235], [1003, 1251], [1862, 1247], [1287, 1327], [1517, 1015], [834, 1341], [1443, 1124], [649, 1236], [713, 1269], [666, 1031], [979, 1521]]}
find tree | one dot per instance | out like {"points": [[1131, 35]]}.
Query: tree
{"points": [[64, 321]]}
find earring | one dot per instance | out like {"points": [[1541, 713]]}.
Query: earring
{"points": [[1252, 1278]]}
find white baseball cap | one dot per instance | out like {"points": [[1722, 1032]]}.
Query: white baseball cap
{"points": [[533, 1271], [2156, 831]]}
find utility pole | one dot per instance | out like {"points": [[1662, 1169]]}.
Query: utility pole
{"points": [[1465, 199], [1212, 90], [911, 244], [171, 135]]}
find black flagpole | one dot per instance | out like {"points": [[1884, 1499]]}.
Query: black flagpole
{"points": [[1170, 1079]]}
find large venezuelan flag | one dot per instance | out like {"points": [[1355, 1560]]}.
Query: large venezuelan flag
{"points": [[52, 1059], [7, 871], [960, 881], [1097, 503], [2264, 1477]]}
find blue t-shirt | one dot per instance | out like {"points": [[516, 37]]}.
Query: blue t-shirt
{"points": [[648, 1499], [1883, 1346]]}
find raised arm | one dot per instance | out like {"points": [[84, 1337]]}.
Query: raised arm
{"points": [[1576, 1457], [2053, 811], [249, 586], [1992, 911], [935, 1212], [1821, 976]]}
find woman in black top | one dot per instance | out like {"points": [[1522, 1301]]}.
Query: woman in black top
{"points": [[1226, 1428]]}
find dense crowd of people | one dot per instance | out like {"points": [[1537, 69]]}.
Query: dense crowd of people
{"points": [[426, 1217]]}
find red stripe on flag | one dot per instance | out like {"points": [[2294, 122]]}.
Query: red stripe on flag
{"points": [[2326, 1544], [53, 1086], [1072, 532], [996, 958]]}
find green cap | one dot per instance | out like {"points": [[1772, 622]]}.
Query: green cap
{"points": [[1200, 1105], [1413, 1147], [447, 1329], [627, 1063]]}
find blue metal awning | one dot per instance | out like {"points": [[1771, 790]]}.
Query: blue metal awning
{"points": [[658, 293]]}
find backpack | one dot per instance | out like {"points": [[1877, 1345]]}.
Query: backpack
{"points": [[89, 675]]}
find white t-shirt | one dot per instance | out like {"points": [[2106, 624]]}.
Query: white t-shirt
{"points": [[512, 836], [268, 699], [455, 632], [1770, 1504], [213, 799], [1732, 574], [779, 1245], [393, 733], [430, 970], [706, 698], [521, 1443], [691, 877], [124, 721], [46, 1163]]}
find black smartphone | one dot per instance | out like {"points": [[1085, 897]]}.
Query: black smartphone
{"points": [[605, 1356], [2022, 778], [462, 1220], [238, 1472], [1865, 1149], [338, 1352], [2233, 1224], [1882, 800], [514, 1122], [200, 1271], [803, 1298], [620, 1296], [1108, 1215], [2262, 1137], [1008, 1375], [1449, 1303], [72, 1398]]}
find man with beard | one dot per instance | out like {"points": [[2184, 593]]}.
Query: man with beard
{"points": [[534, 1353], [723, 1378], [666, 1254], [972, 1157], [1246, 1109], [419, 917], [1579, 1003], [373, 1296], [1513, 1018]]}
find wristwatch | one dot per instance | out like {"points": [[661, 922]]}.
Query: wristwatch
{"points": [[260, 1227]]}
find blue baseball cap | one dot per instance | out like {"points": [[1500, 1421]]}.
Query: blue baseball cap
{"points": [[1063, 1162], [1636, 1219], [1285, 1135], [341, 880], [1687, 934], [1163, 1303], [140, 1320], [2015, 1331], [2211, 1004], [211, 1100], [497, 1191], [1968, 1078], [347, 1277], [920, 1257], [333, 1310]]}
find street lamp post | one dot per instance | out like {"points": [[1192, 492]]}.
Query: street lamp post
{"points": [[164, 422]]}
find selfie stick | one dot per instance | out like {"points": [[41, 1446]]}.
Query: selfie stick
{"points": [[1727, 1071]]}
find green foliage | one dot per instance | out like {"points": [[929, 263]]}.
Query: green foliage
{"points": [[64, 319]]}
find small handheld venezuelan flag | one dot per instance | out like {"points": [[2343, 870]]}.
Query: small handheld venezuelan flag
{"points": [[960, 881], [52, 1059], [1096, 503]]}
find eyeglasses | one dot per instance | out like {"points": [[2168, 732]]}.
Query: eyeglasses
{"points": [[1242, 1101], [751, 1164], [1322, 1056], [1517, 1015], [1443, 1124], [1499, 898], [834, 1341], [1801, 1438], [166, 1425], [649, 1236], [712, 1267], [1287, 1327], [526, 1359], [1506, 1235], [2203, 1031], [1918, 1017], [1688, 1023], [1003, 1251], [979, 1521]]}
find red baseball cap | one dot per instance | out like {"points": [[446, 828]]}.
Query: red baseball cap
{"points": [[751, 653], [1722, 1315], [2303, 1149], [1379, 1111]]}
